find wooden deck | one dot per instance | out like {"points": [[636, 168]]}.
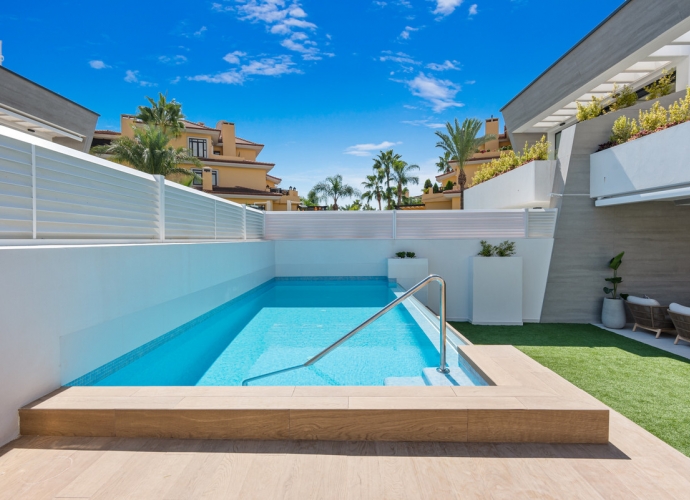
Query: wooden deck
{"points": [[528, 404], [634, 465]]}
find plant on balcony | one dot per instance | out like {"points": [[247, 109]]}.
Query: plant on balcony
{"points": [[449, 186], [428, 184], [589, 111], [435, 188], [622, 97], [623, 129], [663, 86], [510, 160], [653, 120]]}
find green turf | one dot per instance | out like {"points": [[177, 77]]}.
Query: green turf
{"points": [[649, 386]]}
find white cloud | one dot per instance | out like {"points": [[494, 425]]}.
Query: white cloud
{"points": [[439, 94], [473, 9], [286, 19], [405, 35], [174, 60], [200, 32], [234, 57], [446, 7], [425, 123], [267, 66], [97, 64], [176, 80], [397, 57], [447, 65], [369, 149], [133, 77]]}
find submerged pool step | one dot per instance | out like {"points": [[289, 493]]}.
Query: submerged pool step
{"points": [[403, 381], [456, 377]]}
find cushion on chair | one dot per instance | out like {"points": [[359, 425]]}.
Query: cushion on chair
{"points": [[642, 302], [677, 308]]}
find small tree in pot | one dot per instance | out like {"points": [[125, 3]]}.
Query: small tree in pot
{"points": [[613, 312]]}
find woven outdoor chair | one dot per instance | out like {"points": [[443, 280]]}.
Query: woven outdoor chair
{"points": [[682, 323], [652, 318]]}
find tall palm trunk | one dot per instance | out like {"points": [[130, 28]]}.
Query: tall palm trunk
{"points": [[378, 197]]}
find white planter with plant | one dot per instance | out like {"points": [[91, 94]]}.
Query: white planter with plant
{"points": [[408, 271], [613, 310], [496, 281]]}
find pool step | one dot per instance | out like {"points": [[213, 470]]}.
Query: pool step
{"points": [[403, 381], [456, 377]]}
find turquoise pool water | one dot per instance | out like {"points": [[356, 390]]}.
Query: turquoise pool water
{"points": [[284, 323]]}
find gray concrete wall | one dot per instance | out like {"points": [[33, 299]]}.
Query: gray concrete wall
{"points": [[655, 237], [635, 24], [29, 97]]}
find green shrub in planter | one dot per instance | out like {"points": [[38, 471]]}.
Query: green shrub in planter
{"points": [[410, 255], [401, 255]]}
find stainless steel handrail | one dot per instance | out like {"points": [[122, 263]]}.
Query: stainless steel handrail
{"points": [[442, 328]]}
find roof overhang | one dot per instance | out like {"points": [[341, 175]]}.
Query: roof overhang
{"points": [[29, 124], [631, 47]]}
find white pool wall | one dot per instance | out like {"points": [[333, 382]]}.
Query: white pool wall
{"points": [[68, 310]]}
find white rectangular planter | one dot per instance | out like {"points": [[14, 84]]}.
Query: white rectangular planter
{"points": [[496, 297], [527, 186], [638, 169], [409, 272]]}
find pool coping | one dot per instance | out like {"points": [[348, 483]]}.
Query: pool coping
{"points": [[527, 403]]}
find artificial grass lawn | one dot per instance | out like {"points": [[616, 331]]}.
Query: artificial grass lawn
{"points": [[649, 386]]}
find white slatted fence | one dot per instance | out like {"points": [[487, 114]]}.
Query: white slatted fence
{"points": [[48, 191], [417, 224]]}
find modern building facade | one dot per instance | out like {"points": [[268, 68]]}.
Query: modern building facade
{"points": [[230, 166], [30, 108], [633, 197]]}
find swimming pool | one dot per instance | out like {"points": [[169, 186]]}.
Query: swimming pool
{"points": [[285, 322]]}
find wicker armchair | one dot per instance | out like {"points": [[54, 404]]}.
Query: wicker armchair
{"points": [[682, 323], [652, 318]]}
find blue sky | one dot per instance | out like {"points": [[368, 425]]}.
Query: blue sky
{"points": [[324, 84]]}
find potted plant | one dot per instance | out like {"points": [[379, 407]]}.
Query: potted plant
{"points": [[401, 255], [613, 312]]}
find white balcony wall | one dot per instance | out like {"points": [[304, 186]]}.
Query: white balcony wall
{"points": [[528, 186], [654, 167], [66, 310]]}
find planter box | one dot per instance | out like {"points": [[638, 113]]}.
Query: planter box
{"points": [[643, 169], [528, 186], [409, 272], [496, 297]]}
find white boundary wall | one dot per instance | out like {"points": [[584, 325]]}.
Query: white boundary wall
{"points": [[450, 259], [48, 191], [68, 310]]}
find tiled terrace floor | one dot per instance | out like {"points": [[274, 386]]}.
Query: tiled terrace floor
{"points": [[635, 465]]}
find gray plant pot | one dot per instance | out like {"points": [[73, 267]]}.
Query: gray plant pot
{"points": [[613, 313]]}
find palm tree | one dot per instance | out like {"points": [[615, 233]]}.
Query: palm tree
{"points": [[461, 142], [374, 187], [149, 152], [442, 162], [384, 162], [164, 114], [333, 187], [401, 174]]}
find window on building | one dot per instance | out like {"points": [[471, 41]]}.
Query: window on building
{"points": [[198, 180], [197, 147], [558, 144]]}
